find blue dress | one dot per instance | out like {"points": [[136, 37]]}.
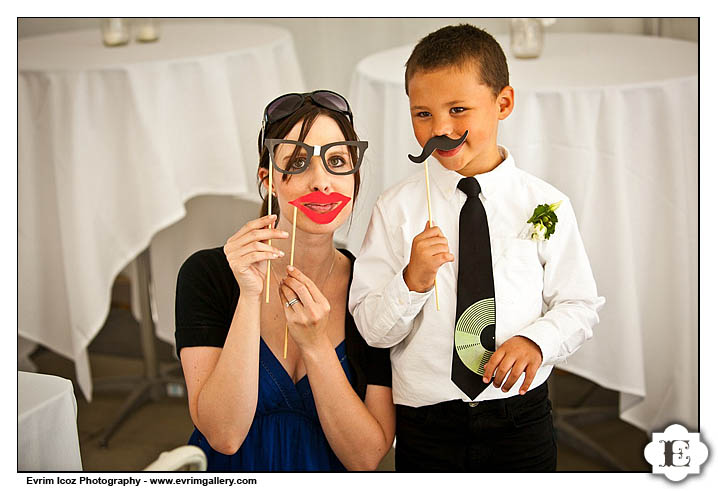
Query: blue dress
{"points": [[285, 434]]}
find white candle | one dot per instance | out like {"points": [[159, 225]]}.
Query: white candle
{"points": [[113, 38], [114, 32], [147, 31]]}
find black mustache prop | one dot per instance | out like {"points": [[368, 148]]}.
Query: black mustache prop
{"points": [[441, 142]]}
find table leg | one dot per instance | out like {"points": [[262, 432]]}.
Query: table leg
{"points": [[151, 386], [147, 325]]}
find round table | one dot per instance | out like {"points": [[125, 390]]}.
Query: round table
{"points": [[612, 121], [46, 424], [113, 141]]}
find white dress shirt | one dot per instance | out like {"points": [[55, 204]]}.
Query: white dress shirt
{"points": [[544, 290]]}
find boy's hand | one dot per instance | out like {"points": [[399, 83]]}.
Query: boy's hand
{"points": [[429, 250], [517, 355]]}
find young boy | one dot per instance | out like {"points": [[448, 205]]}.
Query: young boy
{"points": [[469, 376]]}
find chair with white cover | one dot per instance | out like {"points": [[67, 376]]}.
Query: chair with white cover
{"points": [[186, 457]]}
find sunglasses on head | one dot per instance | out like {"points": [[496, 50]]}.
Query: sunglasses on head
{"points": [[287, 104]]}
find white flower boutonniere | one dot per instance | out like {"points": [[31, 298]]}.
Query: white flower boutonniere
{"points": [[543, 221]]}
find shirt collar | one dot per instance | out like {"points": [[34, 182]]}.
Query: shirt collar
{"points": [[490, 182]]}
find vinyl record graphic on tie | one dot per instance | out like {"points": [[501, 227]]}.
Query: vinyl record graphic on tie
{"points": [[475, 335]]}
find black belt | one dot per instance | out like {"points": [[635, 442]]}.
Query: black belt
{"points": [[493, 406]]}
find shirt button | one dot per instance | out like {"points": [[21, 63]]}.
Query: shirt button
{"points": [[473, 404]]}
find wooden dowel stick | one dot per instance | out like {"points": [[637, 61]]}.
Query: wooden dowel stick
{"points": [[286, 337], [291, 263], [431, 222], [269, 212], [294, 233], [428, 194]]}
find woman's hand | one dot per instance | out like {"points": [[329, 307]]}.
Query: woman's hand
{"points": [[308, 318], [247, 255]]}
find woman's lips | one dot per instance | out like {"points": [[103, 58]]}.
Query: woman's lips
{"points": [[449, 153], [321, 208]]}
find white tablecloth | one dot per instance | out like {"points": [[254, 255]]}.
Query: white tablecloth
{"points": [[113, 141], [612, 121], [46, 424]]}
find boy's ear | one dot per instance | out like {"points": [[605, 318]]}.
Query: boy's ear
{"points": [[505, 102]]}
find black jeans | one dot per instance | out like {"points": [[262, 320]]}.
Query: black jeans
{"points": [[515, 434]]}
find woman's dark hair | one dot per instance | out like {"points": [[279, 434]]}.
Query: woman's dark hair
{"points": [[459, 46], [307, 113]]}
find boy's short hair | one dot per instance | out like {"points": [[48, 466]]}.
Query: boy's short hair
{"points": [[457, 46]]}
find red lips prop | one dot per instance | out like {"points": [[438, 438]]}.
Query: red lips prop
{"points": [[321, 208]]}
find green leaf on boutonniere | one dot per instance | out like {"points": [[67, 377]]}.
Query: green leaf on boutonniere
{"points": [[544, 221]]}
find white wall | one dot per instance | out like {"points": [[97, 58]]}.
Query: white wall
{"points": [[329, 49]]}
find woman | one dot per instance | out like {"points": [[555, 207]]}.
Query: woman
{"points": [[327, 405]]}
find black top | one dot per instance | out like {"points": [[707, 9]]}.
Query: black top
{"points": [[207, 296]]}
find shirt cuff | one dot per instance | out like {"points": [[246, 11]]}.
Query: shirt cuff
{"points": [[544, 335], [405, 303]]}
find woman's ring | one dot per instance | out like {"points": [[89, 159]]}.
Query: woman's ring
{"points": [[292, 302]]}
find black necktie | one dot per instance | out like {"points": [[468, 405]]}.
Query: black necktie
{"points": [[475, 331]]}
